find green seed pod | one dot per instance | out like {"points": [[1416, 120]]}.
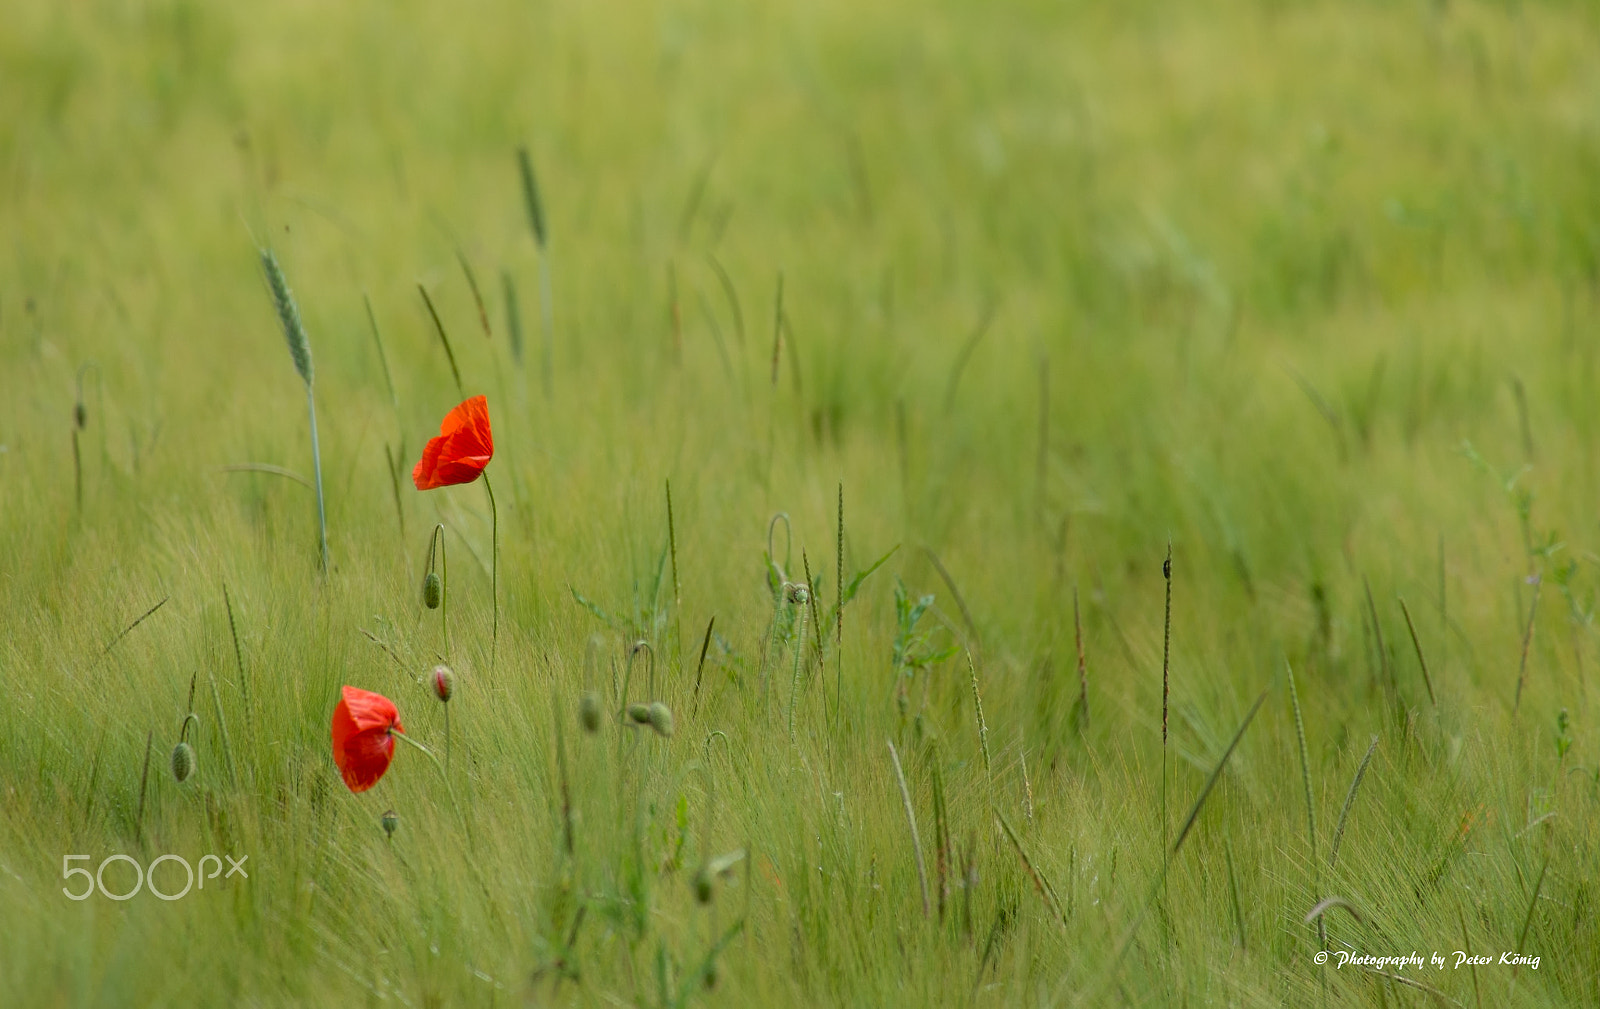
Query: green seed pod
{"points": [[589, 711], [702, 885], [182, 762], [639, 713], [661, 719], [390, 821], [432, 590]]}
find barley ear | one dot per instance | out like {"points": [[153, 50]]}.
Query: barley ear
{"points": [[289, 315]]}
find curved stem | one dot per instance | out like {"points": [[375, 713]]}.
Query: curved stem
{"points": [[436, 543], [494, 566]]}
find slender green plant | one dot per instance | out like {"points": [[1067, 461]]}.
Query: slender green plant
{"points": [[300, 351]]}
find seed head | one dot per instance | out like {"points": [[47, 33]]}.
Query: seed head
{"points": [[390, 821], [589, 711], [289, 315], [661, 719], [182, 762], [432, 590], [444, 682]]}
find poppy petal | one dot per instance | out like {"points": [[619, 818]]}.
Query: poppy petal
{"points": [[464, 446]]}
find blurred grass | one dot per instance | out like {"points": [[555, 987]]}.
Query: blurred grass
{"points": [[1278, 260]]}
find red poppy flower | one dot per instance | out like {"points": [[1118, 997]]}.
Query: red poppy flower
{"points": [[463, 448], [362, 744]]}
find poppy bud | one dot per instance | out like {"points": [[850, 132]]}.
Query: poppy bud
{"points": [[589, 711], [661, 719], [444, 682], [711, 974], [639, 713], [182, 762], [702, 885], [432, 590], [80, 415], [390, 821]]}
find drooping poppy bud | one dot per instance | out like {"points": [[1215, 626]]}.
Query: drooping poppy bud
{"points": [[702, 885], [182, 762], [390, 821], [589, 711], [362, 742], [444, 682], [639, 713], [432, 590], [80, 415], [661, 719]]}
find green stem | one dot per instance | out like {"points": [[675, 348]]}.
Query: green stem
{"points": [[316, 461], [494, 566]]}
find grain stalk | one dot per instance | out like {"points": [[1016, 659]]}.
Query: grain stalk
{"points": [[1349, 800], [983, 726], [294, 332]]}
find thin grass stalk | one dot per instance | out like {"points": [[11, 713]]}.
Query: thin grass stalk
{"points": [[700, 667], [799, 660], [1527, 640], [1305, 780], [983, 726], [941, 832], [316, 465], [1417, 644], [1040, 882], [144, 779], [222, 728], [677, 593], [1349, 800], [494, 565], [1166, 665], [558, 712], [444, 338], [911, 819], [477, 296], [1083, 666], [1386, 673], [777, 330], [838, 610], [1477, 996], [383, 357], [508, 289], [238, 654], [1233, 891]]}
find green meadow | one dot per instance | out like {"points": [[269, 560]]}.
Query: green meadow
{"points": [[854, 369]]}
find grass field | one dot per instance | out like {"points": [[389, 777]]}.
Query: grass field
{"points": [[1014, 295]]}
